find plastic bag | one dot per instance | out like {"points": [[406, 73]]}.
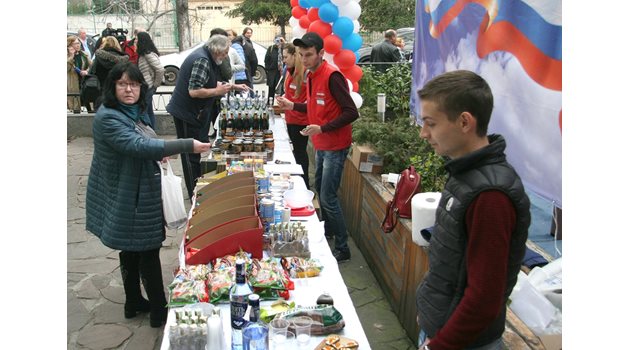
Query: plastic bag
{"points": [[173, 199]]}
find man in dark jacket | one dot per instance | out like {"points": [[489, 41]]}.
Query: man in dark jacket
{"points": [[273, 66], [197, 86], [250, 55], [385, 51], [478, 240]]}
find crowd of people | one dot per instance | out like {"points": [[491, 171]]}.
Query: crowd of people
{"points": [[478, 240]]}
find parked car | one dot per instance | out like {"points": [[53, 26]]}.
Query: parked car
{"points": [[173, 61], [407, 34], [91, 39]]}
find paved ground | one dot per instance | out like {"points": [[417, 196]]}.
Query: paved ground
{"points": [[95, 293]]}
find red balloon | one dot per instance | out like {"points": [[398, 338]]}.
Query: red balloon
{"points": [[304, 22], [354, 73], [344, 59], [298, 12], [322, 28], [355, 86], [332, 44], [295, 3], [313, 14]]}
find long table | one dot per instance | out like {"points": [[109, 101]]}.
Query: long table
{"points": [[307, 290]]}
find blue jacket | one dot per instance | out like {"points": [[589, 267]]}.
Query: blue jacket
{"points": [[124, 193]]}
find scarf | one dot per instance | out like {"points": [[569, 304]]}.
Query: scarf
{"points": [[133, 112]]}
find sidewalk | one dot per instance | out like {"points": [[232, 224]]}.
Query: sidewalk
{"points": [[95, 295]]}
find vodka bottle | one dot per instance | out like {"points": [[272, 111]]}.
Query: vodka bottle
{"points": [[255, 333], [239, 293]]}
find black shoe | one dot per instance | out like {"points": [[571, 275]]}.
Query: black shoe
{"points": [[341, 256], [142, 306], [158, 317]]}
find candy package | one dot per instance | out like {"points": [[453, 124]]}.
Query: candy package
{"points": [[326, 319], [187, 292]]}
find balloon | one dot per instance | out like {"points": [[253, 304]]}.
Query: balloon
{"points": [[351, 10], [354, 73], [332, 44], [298, 32], [328, 13], [355, 86], [305, 22], [340, 2], [321, 28], [317, 3], [295, 3], [305, 3], [312, 14], [358, 100], [342, 27], [294, 22], [330, 59], [344, 59], [349, 84], [353, 42], [298, 12]]}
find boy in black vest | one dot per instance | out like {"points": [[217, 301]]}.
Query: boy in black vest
{"points": [[478, 241]]}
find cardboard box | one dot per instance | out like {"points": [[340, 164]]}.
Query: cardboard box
{"points": [[365, 159]]}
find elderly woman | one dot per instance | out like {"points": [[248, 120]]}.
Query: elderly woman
{"points": [[124, 193], [78, 64]]}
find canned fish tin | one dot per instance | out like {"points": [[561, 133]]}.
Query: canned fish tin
{"points": [[262, 184], [266, 210]]}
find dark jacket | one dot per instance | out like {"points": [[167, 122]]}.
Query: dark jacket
{"points": [[124, 193], [271, 67], [104, 60], [181, 105], [250, 57], [443, 286], [385, 52]]}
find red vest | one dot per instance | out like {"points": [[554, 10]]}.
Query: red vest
{"points": [[294, 117], [322, 108]]}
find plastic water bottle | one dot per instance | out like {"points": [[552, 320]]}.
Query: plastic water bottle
{"points": [[239, 293]]}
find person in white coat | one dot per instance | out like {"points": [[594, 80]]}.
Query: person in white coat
{"points": [[151, 68]]}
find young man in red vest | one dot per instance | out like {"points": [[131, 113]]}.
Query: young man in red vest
{"points": [[330, 112]]}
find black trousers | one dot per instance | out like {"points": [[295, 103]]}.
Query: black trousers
{"points": [[191, 162], [299, 149], [146, 266]]}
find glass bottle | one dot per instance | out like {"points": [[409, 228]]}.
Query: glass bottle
{"points": [[255, 333], [239, 293]]}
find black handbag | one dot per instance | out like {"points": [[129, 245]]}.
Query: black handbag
{"points": [[90, 88]]}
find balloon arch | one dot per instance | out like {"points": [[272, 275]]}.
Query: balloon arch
{"points": [[336, 21]]}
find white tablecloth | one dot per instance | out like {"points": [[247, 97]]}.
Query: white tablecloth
{"points": [[306, 289]]}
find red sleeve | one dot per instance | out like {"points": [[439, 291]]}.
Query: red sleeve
{"points": [[490, 221]]}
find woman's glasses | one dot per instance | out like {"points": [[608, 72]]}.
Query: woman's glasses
{"points": [[132, 85]]}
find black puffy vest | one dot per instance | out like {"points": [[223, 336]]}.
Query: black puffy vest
{"points": [[443, 286], [181, 105]]}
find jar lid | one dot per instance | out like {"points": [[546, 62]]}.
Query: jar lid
{"points": [[237, 142], [248, 142], [231, 133], [226, 141], [258, 141], [270, 139]]}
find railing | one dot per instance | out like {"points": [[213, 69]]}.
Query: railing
{"points": [[160, 100]]}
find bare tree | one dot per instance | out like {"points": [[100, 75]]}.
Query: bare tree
{"points": [[183, 24]]}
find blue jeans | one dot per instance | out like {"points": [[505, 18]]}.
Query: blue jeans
{"points": [[328, 170], [495, 345]]}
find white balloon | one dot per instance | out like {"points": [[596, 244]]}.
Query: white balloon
{"points": [[340, 2], [298, 32], [351, 10], [357, 26], [294, 22], [358, 100]]}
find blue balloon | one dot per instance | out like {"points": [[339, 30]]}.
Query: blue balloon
{"points": [[305, 3], [318, 3], [343, 27], [356, 54], [353, 42], [328, 13]]}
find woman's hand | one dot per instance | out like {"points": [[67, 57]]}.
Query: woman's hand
{"points": [[83, 73], [200, 147], [284, 104]]}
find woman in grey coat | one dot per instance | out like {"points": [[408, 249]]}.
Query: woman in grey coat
{"points": [[124, 193]]}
